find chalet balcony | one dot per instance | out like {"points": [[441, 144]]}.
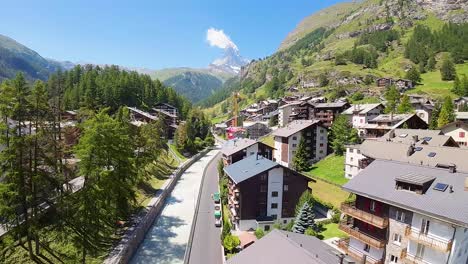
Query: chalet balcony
{"points": [[351, 210], [360, 235], [408, 258], [415, 235], [343, 244]]}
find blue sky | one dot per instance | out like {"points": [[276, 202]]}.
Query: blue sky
{"points": [[152, 34]]}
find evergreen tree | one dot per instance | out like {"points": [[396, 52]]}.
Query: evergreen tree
{"points": [[458, 87], [431, 63], [342, 133], [447, 70], [301, 158], [393, 97], [405, 105], [433, 123], [413, 75], [304, 220], [447, 113], [231, 242]]}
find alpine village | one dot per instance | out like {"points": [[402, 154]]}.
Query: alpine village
{"points": [[348, 144]]}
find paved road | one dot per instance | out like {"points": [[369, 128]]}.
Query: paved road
{"points": [[167, 239], [206, 247]]}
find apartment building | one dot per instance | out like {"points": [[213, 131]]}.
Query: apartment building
{"points": [[284, 112], [423, 107], [407, 213], [408, 145], [360, 114], [238, 149], [287, 140], [261, 192], [327, 112], [256, 130], [382, 124], [458, 131]]}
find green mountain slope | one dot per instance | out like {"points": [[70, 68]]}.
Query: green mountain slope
{"points": [[195, 84], [374, 39], [15, 57]]}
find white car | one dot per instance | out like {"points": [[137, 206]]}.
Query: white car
{"points": [[218, 222]]}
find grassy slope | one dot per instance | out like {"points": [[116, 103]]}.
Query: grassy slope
{"points": [[328, 192], [329, 169], [331, 230]]}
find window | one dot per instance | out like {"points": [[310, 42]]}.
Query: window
{"points": [[263, 188], [294, 138], [263, 177], [351, 150], [274, 206], [251, 153], [285, 221], [425, 226], [397, 239], [285, 187], [267, 228], [274, 194], [393, 259], [351, 159], [294, 152], [420, 251], [366, 248], [321, 151], [321, 144], [294, 145], [358, 151], [372, 206], [461, 134], [321, 138], [400, 216]]}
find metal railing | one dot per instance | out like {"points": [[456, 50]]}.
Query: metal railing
{"points": [[416, 235]]}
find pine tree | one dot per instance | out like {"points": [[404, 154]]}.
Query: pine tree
{"points": [[342, 133], [393, 97], [447, 113], [301, 158], [458, 87], [431, 63], [304, 220], [405, 105], [447, 70], [413, 75], [433, 123]]}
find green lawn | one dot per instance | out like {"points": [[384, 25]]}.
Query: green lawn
{"points": [[330, 169], [329, 193], [433, 85], [331, 230], [176, 151]]}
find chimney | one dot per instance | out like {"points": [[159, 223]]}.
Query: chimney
{"points": [[392, 133], [451, 189], [410, 151], [415, 138], [453, 168]]}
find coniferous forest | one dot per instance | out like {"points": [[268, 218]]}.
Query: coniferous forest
{"points": [[44, 159]]}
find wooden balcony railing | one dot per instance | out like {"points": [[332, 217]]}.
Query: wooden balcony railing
{"points": [[360, 256], [351, 210], [415, 235], [366, 238]]}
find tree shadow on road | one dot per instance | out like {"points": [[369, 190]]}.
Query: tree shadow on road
{"points": [[157, 247]]}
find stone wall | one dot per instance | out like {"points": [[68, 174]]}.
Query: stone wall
{"points": [[131, 240]]}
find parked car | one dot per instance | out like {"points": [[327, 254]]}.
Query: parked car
{"points": [[217, 211], [218, 222], [216, 197]]}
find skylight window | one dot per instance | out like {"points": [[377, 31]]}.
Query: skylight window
{"points": [[440, 187], [427, 138], [431, 154], [418, 148]]}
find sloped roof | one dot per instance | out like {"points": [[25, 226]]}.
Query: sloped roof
{"points": [[249, 167], [294, 127], [330, 105], [279, 247], [360, 108], [236, 145], [461, 115], [424, 137], [377, 181]]}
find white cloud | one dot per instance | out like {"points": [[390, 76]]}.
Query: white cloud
{"points": [[217, 38]]}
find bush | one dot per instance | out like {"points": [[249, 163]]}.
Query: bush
{"points": [[259, 233], [336, 216], [231, 242], [357, 96]]}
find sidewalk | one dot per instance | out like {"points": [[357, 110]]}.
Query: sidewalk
{"points": [[166, 241]]}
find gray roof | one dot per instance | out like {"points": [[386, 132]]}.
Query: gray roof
{"points": [[414, 178], [330, 105], [389, 118], [249, 167], [461, 115], [377, 181], [143, 113], [294, 127], [424, 136], [360, 108], [377, 149], [236, 145], [279, 247]]}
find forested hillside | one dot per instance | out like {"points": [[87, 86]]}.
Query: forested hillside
{"points": [[386, 38]]}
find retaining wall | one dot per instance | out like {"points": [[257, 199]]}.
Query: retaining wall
{"points": [[130, 242]]}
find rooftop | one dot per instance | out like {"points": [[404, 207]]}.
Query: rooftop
{"points": [[236, 145], [330, 105], [390, 118], [294, 127], [249, 167], [279, 247], [377, 181], [143, 113], [418, 136], [360, 108], [443, 156], [461, 115]]}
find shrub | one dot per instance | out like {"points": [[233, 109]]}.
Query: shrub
{"points": [[259, 233]]}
